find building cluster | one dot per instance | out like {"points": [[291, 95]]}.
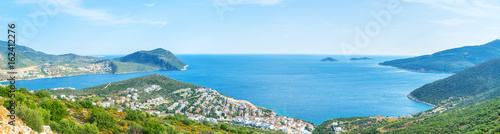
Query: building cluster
{"points": [[152, 88], [205, 104]]}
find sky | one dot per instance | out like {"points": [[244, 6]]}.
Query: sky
{"points": [[336, 27]]}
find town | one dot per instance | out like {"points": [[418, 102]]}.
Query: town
{"points": [[201, 104]]}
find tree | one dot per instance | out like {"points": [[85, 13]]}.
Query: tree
{"points": [[134, 115], [223, 126], [87, 104], [57, 110], [42, 94], [134, 128], [102, 119], [45, 115], [87, 128], [153, 127]]}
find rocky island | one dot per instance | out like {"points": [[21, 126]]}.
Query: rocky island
{"points": [[329, 59]]}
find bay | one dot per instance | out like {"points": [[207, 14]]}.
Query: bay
{"points": [[298, 86]]}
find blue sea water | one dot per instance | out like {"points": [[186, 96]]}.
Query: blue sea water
{"points": [[297, 86]]}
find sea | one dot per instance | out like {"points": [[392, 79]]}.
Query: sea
{"points": [[299, 86]]}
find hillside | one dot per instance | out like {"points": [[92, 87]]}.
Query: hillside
{"points": [[45, 112], [159, 57], [451, 60], [158, 94], [476, 84], [20, 126], [480, 118], [116, 88], [32, 64]]}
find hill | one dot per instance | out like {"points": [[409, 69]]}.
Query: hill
{"points": [[480, 118], [163, 96], [116, 88], [41, 111], [32, 64], [159, 57], [451, 60], [475, 84]]}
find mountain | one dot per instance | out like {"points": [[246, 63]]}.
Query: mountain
{"points": [[32, 64], [451, 60], [159, 57], [475, 84]]}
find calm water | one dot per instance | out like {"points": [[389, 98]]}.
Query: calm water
{"points": [[297, 86]]}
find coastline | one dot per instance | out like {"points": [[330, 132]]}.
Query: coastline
{"points": [[419, 101], [185, 67]]}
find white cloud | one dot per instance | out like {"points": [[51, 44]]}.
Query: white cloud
{"points": [[150, 5], [453, 22], [241, 2], [473, 8], [95, 16]]}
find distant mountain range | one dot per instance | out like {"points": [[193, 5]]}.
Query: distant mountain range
{"points": [[32, 64], [451, 60]]}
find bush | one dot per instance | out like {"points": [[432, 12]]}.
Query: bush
{"points": [[42, 94], [87, 104], [134, 115], [153, 127], [134, 128], [57, 110], [102, 119], [31, 117]]}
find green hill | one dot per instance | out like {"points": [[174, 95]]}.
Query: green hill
{"points": [[114, 88], [478, 83], [159, 57], [478, 119], [27, 57], [82, 117], [451, 60]]}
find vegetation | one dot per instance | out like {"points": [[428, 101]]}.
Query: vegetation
{"points": [[451, 60], [481, 118], [37, 64], [476, 84], [67, 117], [113, 89]]}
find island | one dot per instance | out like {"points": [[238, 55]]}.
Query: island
{"points": [[329, 59], [363, 58]]}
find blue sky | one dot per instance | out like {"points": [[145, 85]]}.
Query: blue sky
{"points": [[251, 26]]}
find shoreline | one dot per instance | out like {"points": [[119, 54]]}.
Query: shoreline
{"points": [[419, 101], [185, 67]]}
